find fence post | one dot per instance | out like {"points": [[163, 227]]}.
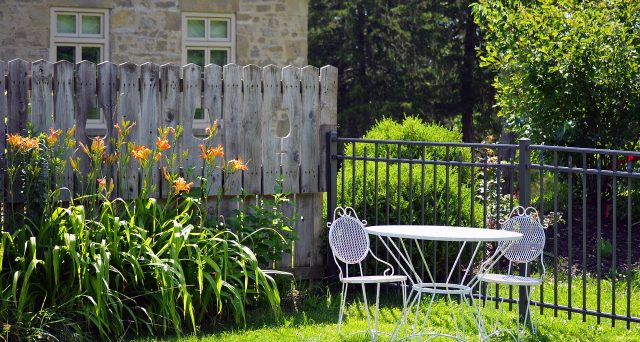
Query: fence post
{"points": [[524, 186], [332, 197]]}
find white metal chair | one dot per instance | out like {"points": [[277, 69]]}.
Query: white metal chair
{"points": [[524, 251], [349, 243]]}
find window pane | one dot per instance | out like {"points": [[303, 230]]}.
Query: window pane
{"points": [[94, 114], [219, 29], [90, 24], [199, 115], [91, 53], [195, 57], [66, 23], [218, 57], [195, 28], [67, 53]]}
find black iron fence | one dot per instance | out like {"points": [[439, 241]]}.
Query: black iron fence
{"points": [[589, 199]]}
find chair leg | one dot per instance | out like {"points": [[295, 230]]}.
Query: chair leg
{"points": [[375, 325], [529, 313], [343, 299], [366, 310], [403, 321]]}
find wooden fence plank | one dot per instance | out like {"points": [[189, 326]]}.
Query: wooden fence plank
{"points": [[271, 142], [85, 100], [107, 95], [191, 90], [3, 137], [288, 209], [129, 110], [304, 245], [63, 116], [292, 101], [212, 104], [42, 95], [149, 119], [309, 157], [18, 96], [328, 115], [252, 127], [317, 223], [17, 114], [170, 110], [232, 116]]}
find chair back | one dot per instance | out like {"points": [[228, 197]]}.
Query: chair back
{"points": [[527, 222], [348, 238]]}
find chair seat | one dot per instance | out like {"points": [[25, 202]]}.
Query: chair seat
{"points": [[509, 279], [374, 279]]}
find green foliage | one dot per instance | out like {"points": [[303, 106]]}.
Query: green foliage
{"points": [[265, 227], [399, 57], [568, 71], [606, 248], [411, 188]]}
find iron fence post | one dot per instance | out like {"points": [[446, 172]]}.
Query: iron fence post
{"points": [[332, 193], [524, 186]]}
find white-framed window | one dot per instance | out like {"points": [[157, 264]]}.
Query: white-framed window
{"points": [[79, 34], [207, 38]]}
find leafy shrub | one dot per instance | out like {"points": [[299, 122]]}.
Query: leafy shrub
{"points": [[567, 72], [411, 186]]}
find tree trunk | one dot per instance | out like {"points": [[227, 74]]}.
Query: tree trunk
{"points": [[467, 97]]}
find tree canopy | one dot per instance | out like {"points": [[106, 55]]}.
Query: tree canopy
{"points": [[568, 72], [402, 57]]}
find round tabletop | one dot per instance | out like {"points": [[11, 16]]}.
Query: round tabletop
{"points": [[444, 233]]}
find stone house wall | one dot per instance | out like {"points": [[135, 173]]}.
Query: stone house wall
{"points": [[267, 31]]}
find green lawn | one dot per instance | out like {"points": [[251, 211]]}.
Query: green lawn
{"points": [[316, 320]]}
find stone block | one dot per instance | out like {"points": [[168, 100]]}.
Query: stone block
{"points": [[122, 18], [172, 21]]}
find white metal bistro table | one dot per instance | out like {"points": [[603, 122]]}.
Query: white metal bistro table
{"points": [[397, 239]]}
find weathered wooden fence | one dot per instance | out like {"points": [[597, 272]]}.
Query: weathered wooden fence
{"points": [[253, 106]]}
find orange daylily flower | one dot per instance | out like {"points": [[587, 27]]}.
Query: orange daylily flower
{"points": [[237, 165], [14, 140], [22, 143], [30, 143], [98, 146], [163, 144], [181, 185], [53, 136], [210, 153], [157, 156], [217, 151], [141, 152], [102, 183]]}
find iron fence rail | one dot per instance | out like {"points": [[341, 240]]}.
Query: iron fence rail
{"points": [[588, 197]]}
